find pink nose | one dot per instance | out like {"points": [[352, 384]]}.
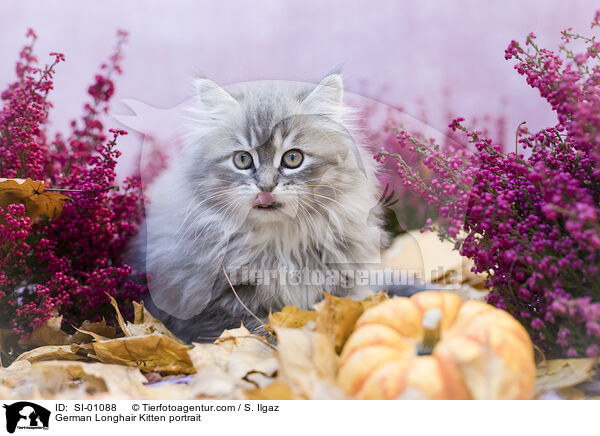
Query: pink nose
{"points": [[263, 199]]}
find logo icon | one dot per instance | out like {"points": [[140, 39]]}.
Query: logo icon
{"points": [[26, 415]]}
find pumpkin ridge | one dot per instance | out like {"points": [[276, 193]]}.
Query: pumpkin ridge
{"points": [[446, 381]]}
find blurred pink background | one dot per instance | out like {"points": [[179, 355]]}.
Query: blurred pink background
{"points": [[428, 57]]}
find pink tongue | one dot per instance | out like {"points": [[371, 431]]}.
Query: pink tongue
{"points": [[263, 199]]}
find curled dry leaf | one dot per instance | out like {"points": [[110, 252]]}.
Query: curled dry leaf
{"points": [[558, 374], [244, 361], [98, 328], [56, 352], [148, 353], [336, 318], [51, 333], [143, 323], [32, 194]]}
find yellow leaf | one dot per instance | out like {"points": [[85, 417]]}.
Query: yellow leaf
{"points": [[275, 391], [32, 194], [291, 317], [336, 318]]}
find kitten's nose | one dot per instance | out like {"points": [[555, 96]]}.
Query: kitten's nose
{"points": [[263, 199]]}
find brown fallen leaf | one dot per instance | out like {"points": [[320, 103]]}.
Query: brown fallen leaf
{"points": [[148, 353], [98, 328], [143, 324], [49, 333], [291, 317], [336, 318], [73, 380], [32, 194], [308, 363], [275, 391], [563, 373]]}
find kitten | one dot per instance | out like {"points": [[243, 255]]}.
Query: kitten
{"points": [[271, 183]]}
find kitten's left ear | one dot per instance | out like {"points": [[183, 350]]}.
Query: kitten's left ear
{"points": [[211, 94], [328, 93]]}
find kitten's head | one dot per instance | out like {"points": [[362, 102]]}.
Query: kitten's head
{"points": [[275, 152]]}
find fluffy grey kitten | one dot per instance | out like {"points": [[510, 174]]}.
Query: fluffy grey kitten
{"points": [[273, 186]]}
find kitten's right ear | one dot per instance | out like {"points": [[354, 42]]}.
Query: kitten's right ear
{"points": [[211, 94]]}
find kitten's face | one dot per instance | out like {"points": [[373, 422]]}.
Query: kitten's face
{"points": [[276, 152]]}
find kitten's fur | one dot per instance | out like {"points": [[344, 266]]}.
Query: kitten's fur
{"points": [[200, 213]]}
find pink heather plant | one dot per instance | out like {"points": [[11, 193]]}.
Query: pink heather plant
{"points": [[530, 220], [66, 265]]}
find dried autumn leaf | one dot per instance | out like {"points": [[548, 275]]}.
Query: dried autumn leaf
{"points": [[291, 317], [15, 372], [215, 382], [308, 363], [336, 318], [80, 380], [436, 261], [374, 300], [53, 352], [32, 194], [240, 354], [149, 353], [98, 328], [96, 381], [253, 361], [143, 324], [49, 333], [563, 373]]}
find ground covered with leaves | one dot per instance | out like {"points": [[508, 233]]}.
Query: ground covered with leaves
{"points": [[298, 358]]}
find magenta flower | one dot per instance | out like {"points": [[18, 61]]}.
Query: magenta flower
{"points": [[69, 264], [529, 220]]}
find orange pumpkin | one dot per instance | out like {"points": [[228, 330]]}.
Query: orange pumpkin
{"points": [[435, 346]]}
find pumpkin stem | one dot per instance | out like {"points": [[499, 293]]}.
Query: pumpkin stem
{"points": [[431, 331]]}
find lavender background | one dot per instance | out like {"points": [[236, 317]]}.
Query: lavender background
{"points": [[430, 57]]}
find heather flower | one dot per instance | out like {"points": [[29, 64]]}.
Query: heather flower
{"points": [[68, 265], [529, 220]]}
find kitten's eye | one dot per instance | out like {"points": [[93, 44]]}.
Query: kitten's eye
{"points": [[242, 160], [292, 159]]}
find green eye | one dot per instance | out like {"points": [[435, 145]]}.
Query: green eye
{"points": [[292, 159], [242, 160]]}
